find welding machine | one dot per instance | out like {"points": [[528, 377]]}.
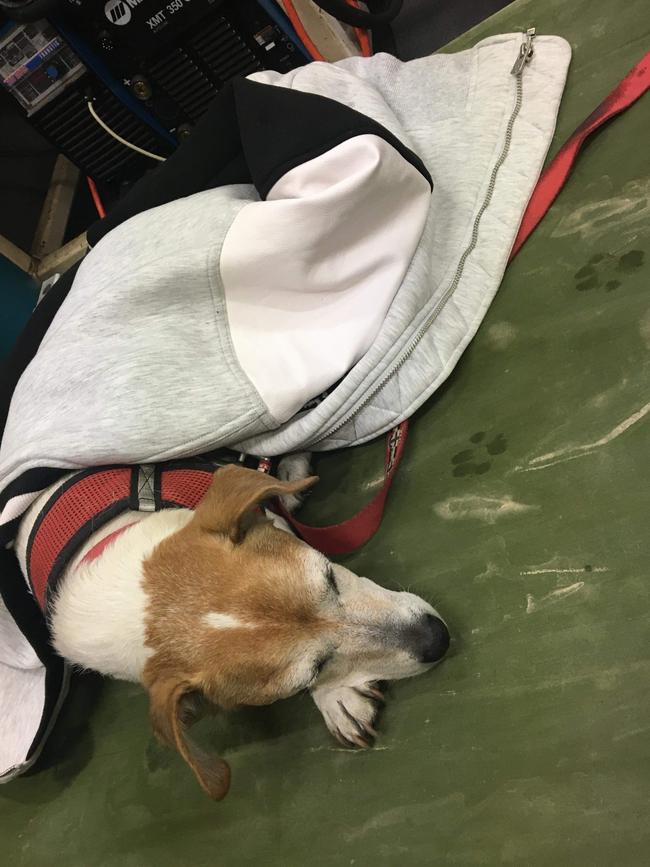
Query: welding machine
{"points": [[92, 73]]}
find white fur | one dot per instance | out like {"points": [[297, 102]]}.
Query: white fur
{"points": [[98, 616], [278, 521], [347, 712], [219, 620]]}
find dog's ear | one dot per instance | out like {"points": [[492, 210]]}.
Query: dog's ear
{"points": [[170, 713], [235, 492]]}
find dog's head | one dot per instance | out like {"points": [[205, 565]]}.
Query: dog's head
{"points": [[244, 613]]}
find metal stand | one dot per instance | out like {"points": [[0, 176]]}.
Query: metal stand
{"points": [[48, 255]]}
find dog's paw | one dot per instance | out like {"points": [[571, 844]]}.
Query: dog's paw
{"points": [[294, 468], [350, 712]]}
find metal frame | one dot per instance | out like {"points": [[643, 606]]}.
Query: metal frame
{"points": [[50, 230], [48, 256]]}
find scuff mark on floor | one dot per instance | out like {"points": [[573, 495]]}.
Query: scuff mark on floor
{"points": [[374, 483], [533, 604], [491, 570], [604, 398], [501, 335], [630, 733], [576, 571], [599, 27], [407, 816], [602, 678], [594, 219], [345, 750], [570, 453], [486, 509], [644, 329]]}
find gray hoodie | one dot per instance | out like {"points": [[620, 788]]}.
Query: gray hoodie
{"points": [[321, 304]]}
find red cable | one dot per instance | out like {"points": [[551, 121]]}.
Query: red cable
{"points": [[364, 42], [293, 16], [362, 35], [96, 197]]}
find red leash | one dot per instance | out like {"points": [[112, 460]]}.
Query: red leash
{"points": [[355, 531], [634, 85]]}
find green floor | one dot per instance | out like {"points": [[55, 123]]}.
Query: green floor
{"points": [[521, 512]]}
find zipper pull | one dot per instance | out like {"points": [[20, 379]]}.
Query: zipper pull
{"points": [[525, 52]]}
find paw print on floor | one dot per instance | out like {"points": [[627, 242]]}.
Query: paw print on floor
{"points": [[475, 461], [608, 270]]}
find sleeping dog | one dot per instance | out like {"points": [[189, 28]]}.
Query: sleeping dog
{"points": [[223, 603]]}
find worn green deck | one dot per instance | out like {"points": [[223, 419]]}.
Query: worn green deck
{"points": [[522, 513]]}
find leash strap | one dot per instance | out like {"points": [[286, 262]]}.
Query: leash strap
{"points": [[356, 531], [634, 85]]}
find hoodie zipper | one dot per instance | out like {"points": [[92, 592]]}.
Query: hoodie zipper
{"points": [[525, 52], [523, 57]]}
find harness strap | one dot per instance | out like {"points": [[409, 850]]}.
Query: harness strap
{"points": [[354, 532], [79, 507], [88, 500]]}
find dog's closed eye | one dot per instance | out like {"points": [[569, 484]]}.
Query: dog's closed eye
{"points": [[331, 579]]}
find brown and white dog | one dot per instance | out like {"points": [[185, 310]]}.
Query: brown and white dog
{"points": [[226, 604]]}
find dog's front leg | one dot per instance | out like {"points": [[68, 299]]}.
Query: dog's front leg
{"points": [[350, 712]]}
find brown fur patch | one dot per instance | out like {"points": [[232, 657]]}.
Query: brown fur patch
{"points": [[214, 564]]}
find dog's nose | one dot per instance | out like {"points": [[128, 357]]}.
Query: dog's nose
{"points": [[433, 639]]}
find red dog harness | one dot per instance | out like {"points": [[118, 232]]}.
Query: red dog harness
{"points": [[91, 498]]}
